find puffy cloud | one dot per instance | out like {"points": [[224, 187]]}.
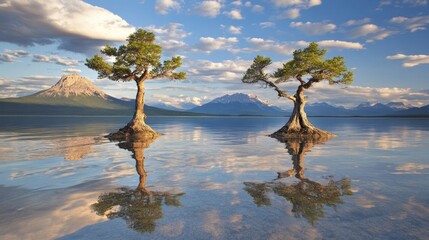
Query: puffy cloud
{"points": [[237, 3], [206, 70], [287, 48], [65, 61], [260, 44], [372, 32], [208, 8], [410, 60], [76, 25], [11, 55], [413, 24], [209, 44], [357, 22], [170, 36], [234, 14], [314, 28], [164, 6], [25, 86], [257, 8], [181, 101], [290, 14], [296, 3], [340, 44], [235, 29], [266, 24]]}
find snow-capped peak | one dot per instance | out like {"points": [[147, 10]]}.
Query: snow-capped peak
{"points": [[238, 97]]}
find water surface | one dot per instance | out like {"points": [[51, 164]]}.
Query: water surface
{"points": [[213, 178]]}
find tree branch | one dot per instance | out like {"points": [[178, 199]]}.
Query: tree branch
{"points": [[280, 92]]}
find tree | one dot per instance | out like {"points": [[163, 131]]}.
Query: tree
{"points": [[308, 67], [139, 60], [308, 197], [141, 208]]}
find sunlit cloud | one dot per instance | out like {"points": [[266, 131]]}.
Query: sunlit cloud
{"points": [[8, 55], [64, 61], [266, 24], [208, 8], [371, 32], [412, 24], [257, 8], [314, 28], [235, 29], [170, 36], [28, 23], [234, 14], [209, 44], [165, 6], [410, 60]]}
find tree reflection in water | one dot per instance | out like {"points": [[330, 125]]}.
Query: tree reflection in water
{"points": [[139, 207], [308, 197]]}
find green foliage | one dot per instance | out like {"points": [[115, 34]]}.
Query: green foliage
{"points": [[309, 62], [139, 60], [140, 209], [256, 71], [307, 66]]}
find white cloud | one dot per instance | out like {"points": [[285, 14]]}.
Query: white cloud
{"points": [[257, 8], [72, 70], [357, 22], [260, 44], [76, 25], [248, 4], [235, 29], [11, 55], [227, 70], [234, 14], [351, 96], [371, 32], [340, 44], [410, 60], [170, 36], [290, 14], [266, 24], [416, 2], [237, 3], [180, 101], [314, 28], [296, 3], [164, 6], [208, 8], [412, 24], [209, 44], [287, 48], [65, 61]]}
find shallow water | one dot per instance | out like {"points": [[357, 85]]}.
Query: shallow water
{"points": [[213, 178]]}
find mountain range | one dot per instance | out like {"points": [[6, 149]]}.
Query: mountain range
{"points": [[244, 104], [238, 104], [76, 95]]}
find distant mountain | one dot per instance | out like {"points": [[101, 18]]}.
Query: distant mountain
{"points": [[366, 109], [238, 104], [73, 95], [413, 112]]}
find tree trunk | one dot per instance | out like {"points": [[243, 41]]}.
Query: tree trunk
{"points": [[137, 126], [298, 126]]}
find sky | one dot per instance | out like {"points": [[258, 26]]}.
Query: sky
{"points": [[385, 44]]}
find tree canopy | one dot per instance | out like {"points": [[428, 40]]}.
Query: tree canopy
{"points": [[138, 60], [307, 67]]}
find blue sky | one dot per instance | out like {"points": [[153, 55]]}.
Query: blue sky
{"points": [[385, 43]]}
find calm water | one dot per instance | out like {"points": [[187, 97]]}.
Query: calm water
{"points": [[213, 178]]}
